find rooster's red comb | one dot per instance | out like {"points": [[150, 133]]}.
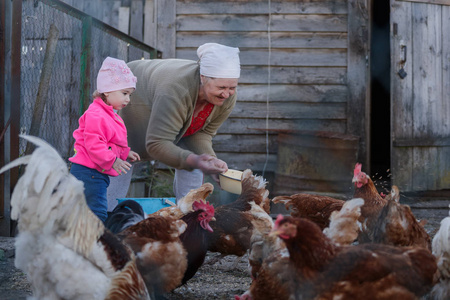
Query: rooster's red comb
{"points": [[357, 170], [278, 220], [203, 206]]}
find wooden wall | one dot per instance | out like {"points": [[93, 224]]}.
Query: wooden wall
{"points": [[295, 58], [307, 61], [420, 45]]}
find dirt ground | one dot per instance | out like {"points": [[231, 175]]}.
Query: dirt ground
{"points": [[13, 282]]}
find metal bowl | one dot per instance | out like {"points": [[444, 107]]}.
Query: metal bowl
{"points": [[230, 181]]}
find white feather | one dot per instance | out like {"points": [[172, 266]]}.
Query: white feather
{"points": [[57, 246]]}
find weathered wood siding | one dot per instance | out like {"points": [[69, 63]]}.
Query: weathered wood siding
{"points": [[295, 63], [420, 101], [294, 72]]}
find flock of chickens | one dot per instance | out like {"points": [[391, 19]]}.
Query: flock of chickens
{"points": [[369, 247]]}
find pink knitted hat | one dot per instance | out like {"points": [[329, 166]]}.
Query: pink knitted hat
{"points": [[115, 75]]}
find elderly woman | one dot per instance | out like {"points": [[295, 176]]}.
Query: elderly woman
{"points": [[177, 108]]}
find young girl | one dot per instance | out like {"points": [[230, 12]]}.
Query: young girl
{"points": [[101, 147]]}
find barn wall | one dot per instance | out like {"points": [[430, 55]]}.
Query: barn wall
{"points": [[304, 60], [294, 72]]}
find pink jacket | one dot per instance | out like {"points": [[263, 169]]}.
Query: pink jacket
{"points": [[100, 138]]}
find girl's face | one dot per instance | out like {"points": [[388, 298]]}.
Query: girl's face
{"points": [[217, 90], [118, 99]]}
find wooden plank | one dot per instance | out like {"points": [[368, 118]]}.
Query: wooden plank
{"points": [[401, 94], [253, 161], [5, 29], [124, 25], [93, 8], [193, 39], [294, 75], [443, 2], [136, 26], [283, 92], [77, 4], [244, 143], [166, 31], [262, 7], [443, 177], [423, 142], [284, 57], [287, 23], [289, 110], [110, 11], [427, 70], [124, 19], [358, 76], [446, 71], [256, 126], [150, 26], [424, 173]]}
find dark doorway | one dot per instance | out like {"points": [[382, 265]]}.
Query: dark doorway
{"points": [[380, 93]]}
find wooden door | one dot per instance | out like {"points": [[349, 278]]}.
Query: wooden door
{"points": [[420, 94]]}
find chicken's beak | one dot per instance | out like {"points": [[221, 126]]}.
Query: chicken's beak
{"points": [[213, 219], [275, 233], [354, 179]]}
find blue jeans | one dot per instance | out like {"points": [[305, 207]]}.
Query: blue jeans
{"points": [[95, 186]]}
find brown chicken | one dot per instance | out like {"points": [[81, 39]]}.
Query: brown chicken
{"points": [[397, 225], [373, 203], [170, 251], [275, 278], [243, 222], [316, 208], [161, 257], [367, 271]]}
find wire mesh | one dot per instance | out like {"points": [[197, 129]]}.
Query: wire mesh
{"points": [[62, 103]]}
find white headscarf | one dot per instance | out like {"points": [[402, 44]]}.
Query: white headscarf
{"points": [[219, 61]]}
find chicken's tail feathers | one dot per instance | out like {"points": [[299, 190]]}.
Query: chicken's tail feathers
{"points": [[128, 284], [47, 199], [282, 199], [288, 202], [124, 215], [24, 160], [253, 186]]}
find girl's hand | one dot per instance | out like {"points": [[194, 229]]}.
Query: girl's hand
{"points": [[133, 156], [121, 166]]}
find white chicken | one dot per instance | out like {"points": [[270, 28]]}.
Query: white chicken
{"points": [[62, 246], [441, 250]]}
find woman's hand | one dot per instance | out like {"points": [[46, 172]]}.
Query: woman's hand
{"points": [[133, 156], [121, 166], [207, 164]]}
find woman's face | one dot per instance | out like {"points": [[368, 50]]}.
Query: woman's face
{"points": [[119, 99], [217, 90]]}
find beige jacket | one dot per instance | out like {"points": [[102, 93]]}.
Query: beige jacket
{"points": [[161, 111]]}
